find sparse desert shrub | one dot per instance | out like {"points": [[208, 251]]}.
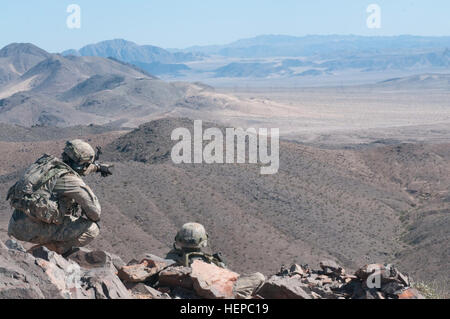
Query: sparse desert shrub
{"points": [[429, 290]]}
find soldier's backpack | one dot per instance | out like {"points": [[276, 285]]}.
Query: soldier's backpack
{"points": [[33, 196]]}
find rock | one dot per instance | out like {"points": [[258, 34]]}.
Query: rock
{"points": [[142, 291], [55, 259], [404, 279], [103, 283], [392, 288], [52, 279], [211, 281], [364, 272], [168, 262], [284, 288], [323, 292], [247, 285], [330, 267], [297, 270], [14, 245], [15, 283], [141, 272], [176, 277], [410, 293], [96, 259]]}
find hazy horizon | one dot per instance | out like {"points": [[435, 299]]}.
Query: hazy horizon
{"points": [[180, 24]]}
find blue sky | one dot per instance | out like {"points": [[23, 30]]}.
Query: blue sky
{"points": [[182, 23]]}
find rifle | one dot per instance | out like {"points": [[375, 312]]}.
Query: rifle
{"points": [[102, 168]]}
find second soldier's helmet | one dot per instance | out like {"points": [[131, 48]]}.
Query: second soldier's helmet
{"points": [[78, 154], [191, 235]]}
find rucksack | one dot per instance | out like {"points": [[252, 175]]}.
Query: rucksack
{"points": [[31, 197]]}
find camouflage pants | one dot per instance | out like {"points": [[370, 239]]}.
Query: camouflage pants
{"points": [[73, 232]]}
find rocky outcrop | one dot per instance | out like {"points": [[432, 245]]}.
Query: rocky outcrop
{"points": [[89, 274]]}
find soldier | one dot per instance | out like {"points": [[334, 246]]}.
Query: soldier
{"points": [[190, 242], [53, 207]]}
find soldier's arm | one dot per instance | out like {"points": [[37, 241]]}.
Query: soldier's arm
{"points": [[73, 187]]}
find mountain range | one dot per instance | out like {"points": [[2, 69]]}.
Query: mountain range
{"points": [[324, 46], [279, 56], [39, 88]]}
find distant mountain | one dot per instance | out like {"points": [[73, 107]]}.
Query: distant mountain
{"points": [[128, 51], [382, 62], [321, 45]]}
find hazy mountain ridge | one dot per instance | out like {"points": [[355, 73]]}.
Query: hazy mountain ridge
{"points": [[128, 51], [322, 45]]}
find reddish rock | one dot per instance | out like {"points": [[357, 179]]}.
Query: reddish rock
{"points": [[211, 281], [410, 293], [141, 272]]}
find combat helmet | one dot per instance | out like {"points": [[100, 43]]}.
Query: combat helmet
{"points": [[191, 236], [78, 154]]}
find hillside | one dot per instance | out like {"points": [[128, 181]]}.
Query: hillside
{"points": [[74, 90], [378, 204]]}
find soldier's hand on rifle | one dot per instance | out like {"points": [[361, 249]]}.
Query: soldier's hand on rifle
{"points": [[104, 169]]}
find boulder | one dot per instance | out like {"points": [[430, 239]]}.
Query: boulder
{"points": [[176, 277], [96, 259], [284, 288], [211, 281], [102, 283], [247, 285], [141, 272], [15, 283], [33, 277]]}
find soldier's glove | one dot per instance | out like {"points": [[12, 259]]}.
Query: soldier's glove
{"points": [[104, 169]]}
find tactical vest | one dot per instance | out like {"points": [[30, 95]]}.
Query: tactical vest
{"points": [[31, 197], [187, 257]]}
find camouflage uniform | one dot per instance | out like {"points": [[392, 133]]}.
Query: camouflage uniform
{"points": [[73, 196]]}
